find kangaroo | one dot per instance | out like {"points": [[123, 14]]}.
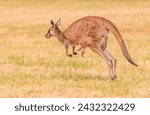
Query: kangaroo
{"points": [[92, 32], [83, 50]]}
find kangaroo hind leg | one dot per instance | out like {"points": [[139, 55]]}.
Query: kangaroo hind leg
{"points": [[97, 49], [103, 45], [113, 61]]}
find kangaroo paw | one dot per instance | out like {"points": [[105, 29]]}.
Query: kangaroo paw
{"points": [[75, 53], [69, 55], [82, 53], [79, 49]]}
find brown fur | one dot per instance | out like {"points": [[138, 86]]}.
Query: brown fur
{"points": [[91, 31]]}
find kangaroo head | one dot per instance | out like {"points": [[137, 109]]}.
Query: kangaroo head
{"points": [[53, 30]]}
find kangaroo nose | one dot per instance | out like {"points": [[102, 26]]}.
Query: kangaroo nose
{"points": [[47, 36]]}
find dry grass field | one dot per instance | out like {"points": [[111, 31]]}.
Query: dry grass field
{"points": [[32, 66]]}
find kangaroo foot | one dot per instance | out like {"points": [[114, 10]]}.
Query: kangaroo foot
{"points": [[113, 77]]}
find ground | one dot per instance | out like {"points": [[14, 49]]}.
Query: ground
{"points": [[33, 66]]}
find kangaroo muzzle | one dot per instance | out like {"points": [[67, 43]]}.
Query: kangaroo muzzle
{"points": [[48, 35]]}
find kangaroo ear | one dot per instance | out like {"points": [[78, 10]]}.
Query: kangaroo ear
{"points": [[52, 22], [58, 22]]}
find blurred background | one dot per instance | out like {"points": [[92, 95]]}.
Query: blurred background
{"points": [[32, 66]]}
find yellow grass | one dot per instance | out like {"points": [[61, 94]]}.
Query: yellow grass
{"points": [[32, 66]]}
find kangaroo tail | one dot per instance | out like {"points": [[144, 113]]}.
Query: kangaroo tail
{"points": [[110, 26]]}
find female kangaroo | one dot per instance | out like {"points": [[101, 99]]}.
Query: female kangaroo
{"points": [[92, 32]]}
